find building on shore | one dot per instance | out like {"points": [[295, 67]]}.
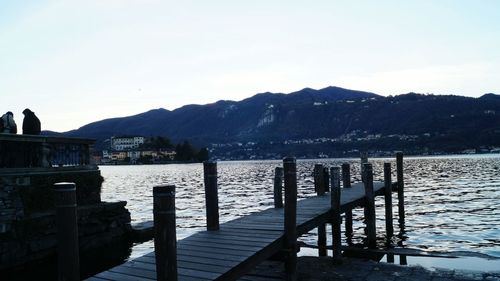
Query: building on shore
{"points": [[123, 143]]}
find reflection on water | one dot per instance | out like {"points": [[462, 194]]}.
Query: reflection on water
{"points": [[451, 202]]}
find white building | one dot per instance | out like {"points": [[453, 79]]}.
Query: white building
{"points": [[126, 143]]}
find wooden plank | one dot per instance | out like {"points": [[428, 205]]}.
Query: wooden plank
{"points": [[108, 275], [215, 250], [246, 245], [96, 279], [222, 244], [198, 260], [235, 236], [259, 278], [181, 264], [183, 273], [210, 255]]}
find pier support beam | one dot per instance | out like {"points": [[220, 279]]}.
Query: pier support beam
{"points": [[68, 258], [211, 194], [278, 187], [319, 178], [290, 173], [364, 160], [165, 241], [346, 182], [370, 207], [326, 179], [389, 228], [319, 186], [401, 186], [336, 220]]}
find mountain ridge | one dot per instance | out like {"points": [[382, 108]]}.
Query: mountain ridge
{"points": [[330, 113]]}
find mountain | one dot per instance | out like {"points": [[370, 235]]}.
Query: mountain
{"points": [[345, 118], [220, 121]]}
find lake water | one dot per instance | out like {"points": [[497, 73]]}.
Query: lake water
{"points": [[452, 203]]}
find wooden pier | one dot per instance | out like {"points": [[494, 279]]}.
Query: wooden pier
{"points": [[230, 250]]}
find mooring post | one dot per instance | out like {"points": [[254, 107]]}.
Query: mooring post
{"points": [[389, 228], [278, 187], [290, 174], [165, 240], [364, 160], [326, 179], [336, 220], [68, 258], [403, 260], [346, 182], [401, 186], [319, 185], [211, 194], [370, 206]]}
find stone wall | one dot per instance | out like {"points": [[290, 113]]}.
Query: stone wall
{"points": [[27, 222]]}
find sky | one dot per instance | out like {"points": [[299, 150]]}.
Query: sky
{"points": [[76, 62]]}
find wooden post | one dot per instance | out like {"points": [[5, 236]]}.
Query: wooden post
{"points": [[370, 207], [278, 187], [364, 160], [68, 258], [211, 195], [346, 181], [401, 186], [290, 171], [165, 241], [403, 260], [326, 179], [319, 185], [336, 220], [389, 229]]}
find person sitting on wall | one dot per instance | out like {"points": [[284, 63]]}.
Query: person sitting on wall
{"points": [[8, 125], [31, 123]]}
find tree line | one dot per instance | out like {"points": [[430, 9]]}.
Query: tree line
{"points": [[184, 152]]}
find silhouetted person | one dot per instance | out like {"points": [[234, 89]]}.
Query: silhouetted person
{"points": [[31, 123], [8, 125]]}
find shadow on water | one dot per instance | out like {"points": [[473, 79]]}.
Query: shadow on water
{"points": [[91, 262], [451, 263]]}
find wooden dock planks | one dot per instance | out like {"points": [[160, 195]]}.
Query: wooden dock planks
{"points": [[241, 244]]}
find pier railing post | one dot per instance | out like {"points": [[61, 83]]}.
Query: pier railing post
{"points": [[326, 179], [364, 160], [346, 182], [336, 220], [68, 258], [278, 187], [165, 240], [319, 178], [319, 186], [401, 186], [211, 194], [290, 173], [389, 228], [370, 206]]}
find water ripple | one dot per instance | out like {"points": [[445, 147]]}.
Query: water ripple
{"points": [[451, 202]]}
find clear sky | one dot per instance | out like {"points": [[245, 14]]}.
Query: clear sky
{"points": [[75, 62]]}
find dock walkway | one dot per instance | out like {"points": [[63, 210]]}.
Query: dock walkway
{"points": [[240, 244]]}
